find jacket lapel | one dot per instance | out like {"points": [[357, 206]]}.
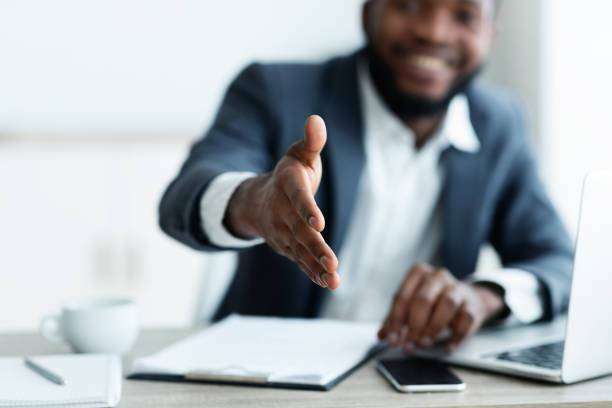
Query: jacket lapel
{"points": [[461, 200], [344, 153]]}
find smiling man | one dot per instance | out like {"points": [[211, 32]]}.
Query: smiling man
{"points": [[387, 194]]}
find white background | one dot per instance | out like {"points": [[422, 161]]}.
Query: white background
{"points": [[148, 66], [576, 86], [99, 100]]}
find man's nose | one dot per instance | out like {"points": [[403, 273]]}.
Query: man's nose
{"points": [[434, 25]]}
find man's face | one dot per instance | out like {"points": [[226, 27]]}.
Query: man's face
{"points": [[430, 46]]}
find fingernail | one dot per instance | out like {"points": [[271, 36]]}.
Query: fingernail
{"points": [[409, 347], [393, 338], [312, 221], [324, 277], [323, 261]]}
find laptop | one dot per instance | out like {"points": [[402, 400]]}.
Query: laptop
{"points": [[574, 347]]}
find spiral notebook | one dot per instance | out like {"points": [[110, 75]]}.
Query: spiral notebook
{"points": [[276, 352], [92, 381]]}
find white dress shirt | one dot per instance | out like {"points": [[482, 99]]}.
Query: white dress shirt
{"points": [[396, 221]]}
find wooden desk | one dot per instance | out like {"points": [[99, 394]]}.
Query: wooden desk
{"points": [[366, 388]]}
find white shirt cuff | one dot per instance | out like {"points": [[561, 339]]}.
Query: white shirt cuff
{"points": [[521, 292], [213, 206]]}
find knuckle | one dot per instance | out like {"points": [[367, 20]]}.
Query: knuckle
{"points": [[421, 300], [422, 268], [449, 301], [445, 276], [441, 274]]}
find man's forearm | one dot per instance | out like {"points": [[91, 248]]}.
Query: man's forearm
{"points": [[239, 217], [520, 291]]}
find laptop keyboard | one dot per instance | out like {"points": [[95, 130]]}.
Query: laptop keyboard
{"points": [[546, 356]]}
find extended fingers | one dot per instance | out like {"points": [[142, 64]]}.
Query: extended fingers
{"points": [[293, 238], [444, 311], [297, 188], [422, 303], [314, 242], [317, 273], [399, 307], [462, 325], [280, 242], [317, 250]]}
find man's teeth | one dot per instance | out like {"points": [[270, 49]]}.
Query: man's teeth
{"points": [[427, 62]]}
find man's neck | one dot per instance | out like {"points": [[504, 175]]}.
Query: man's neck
{"points": [[424, 127]]}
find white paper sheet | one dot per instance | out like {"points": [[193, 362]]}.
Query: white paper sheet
{"points": [[301, 351], [92, 380]]}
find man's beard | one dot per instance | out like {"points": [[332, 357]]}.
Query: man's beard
{"points": [[407, 105]]}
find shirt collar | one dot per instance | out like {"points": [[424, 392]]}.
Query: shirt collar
{"points": [[456, 129]]}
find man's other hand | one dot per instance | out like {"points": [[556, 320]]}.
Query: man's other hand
{"points": [[280, 207], [432, 300]]}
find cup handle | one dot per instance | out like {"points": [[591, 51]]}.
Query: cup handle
{"points": [[50, 329]]}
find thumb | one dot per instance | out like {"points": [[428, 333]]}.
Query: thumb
{"points": [[315, 136]]}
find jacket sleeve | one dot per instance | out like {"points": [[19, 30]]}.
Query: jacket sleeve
{"points": [[527, 232], [240, 139]]}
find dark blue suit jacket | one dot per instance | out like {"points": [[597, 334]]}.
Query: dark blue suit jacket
{"points": [[494, 196]]}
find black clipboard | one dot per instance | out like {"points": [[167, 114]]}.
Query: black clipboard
{"points": [[259, 382]]}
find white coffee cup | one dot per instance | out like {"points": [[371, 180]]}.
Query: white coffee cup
{"points": [[99, 325]]}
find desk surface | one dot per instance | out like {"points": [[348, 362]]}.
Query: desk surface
{"points": [[365, 388]]}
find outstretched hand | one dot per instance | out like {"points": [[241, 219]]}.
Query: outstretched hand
{"points": [[280, 207]]}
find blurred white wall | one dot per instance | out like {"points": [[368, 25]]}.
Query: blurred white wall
{"points": [[576, 89], [515, 60], [148, 66]]}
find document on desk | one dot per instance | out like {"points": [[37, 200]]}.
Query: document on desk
{"points": [[91, 381], [277, 352]]}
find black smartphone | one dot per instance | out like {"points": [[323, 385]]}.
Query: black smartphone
{"points": [[413, 374]]}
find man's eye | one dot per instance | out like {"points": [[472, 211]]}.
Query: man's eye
{"points": [[467, 17]]}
